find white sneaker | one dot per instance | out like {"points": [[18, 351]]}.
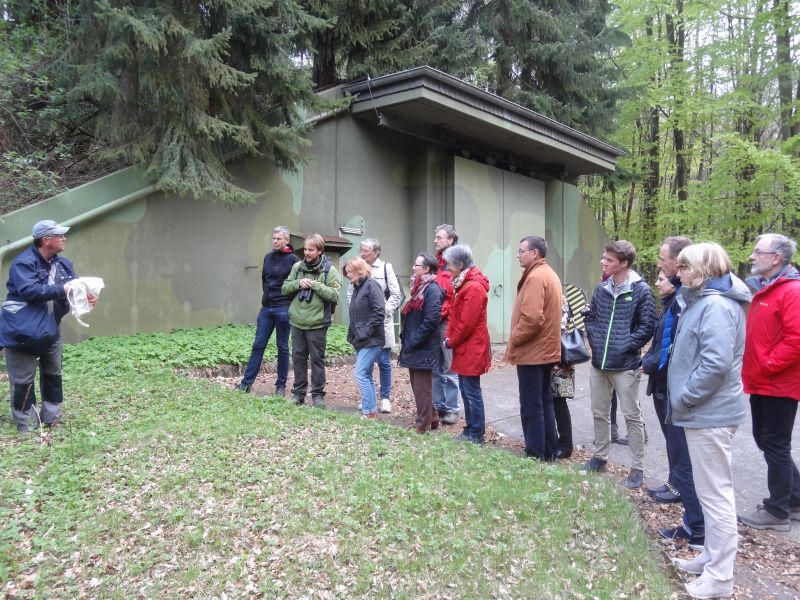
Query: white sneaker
{"points": [[386, 406], [700, 588], [692, 565]]}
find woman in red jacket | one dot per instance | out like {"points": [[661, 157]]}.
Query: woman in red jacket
{"points": [[468, 335]]}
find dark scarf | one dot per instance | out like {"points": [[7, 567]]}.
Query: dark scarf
{"points": [[418, 287], [317, 265]]}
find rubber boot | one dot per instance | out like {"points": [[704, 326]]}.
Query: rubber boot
{"points": [[23, 411], [52, 397]]}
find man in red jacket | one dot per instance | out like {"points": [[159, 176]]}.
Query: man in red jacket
{"points": [[771, 375]]}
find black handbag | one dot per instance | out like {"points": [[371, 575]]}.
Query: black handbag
{"points": [[573, 347]]}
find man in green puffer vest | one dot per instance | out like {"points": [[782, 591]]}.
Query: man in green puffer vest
{"points": [[313, 284]]}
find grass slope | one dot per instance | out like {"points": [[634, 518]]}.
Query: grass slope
{"points": [[159, 486]]}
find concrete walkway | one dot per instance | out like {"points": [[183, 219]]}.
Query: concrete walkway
{"points": [[501, 401]]}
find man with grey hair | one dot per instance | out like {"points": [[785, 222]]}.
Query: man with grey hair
{"points": [[445, 382], [38, 282], [274, 313], [384, 274], [771, 375], [534, 346]]}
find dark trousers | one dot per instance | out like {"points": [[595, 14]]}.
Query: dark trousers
{"points": [[422, 386], [270, 319], [682, 478], [470, 386], [21, 369], [307, 344], [773, 421], [536, 411], [563, 424]]}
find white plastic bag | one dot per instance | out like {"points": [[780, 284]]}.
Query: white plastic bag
{"points": [[78, 295]]}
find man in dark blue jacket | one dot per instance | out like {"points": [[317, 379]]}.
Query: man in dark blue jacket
{"points": [[274, 313], [38, 282], [620, 322]]}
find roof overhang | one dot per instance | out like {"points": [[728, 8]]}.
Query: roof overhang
{"points": [[442, 109]]}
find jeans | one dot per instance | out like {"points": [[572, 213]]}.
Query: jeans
{"points": [[385, 370], [445, 382], [270, 318], [309, 343], [710, 451], [773, 421], [470, 386], [682, 478], [365, 361], [536, 411]]}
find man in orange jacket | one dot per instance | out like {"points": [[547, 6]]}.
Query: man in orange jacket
{"points": [[534, 345]]}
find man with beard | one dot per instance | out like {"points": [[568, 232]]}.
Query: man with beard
{"points": [[314, 285]]}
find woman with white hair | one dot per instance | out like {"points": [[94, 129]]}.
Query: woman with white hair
{"points": [[706, 399], [468, 336]]}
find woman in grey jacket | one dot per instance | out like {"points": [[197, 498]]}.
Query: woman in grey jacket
{"points": [[707, 400]]}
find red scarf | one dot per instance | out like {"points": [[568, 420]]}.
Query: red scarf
{"points": [[418, 287]]}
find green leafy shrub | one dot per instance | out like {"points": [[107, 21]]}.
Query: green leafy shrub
{"points": [[183, 348]]}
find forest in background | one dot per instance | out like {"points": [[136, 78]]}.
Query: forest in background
{"points": [[702, 96]]}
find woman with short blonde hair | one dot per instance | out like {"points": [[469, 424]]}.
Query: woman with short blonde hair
{"points": [[366, 332], [706, 398]]}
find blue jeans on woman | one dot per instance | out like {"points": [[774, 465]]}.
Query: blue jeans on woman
{"points": [[270, 318], [365, 362], [470, 386]]}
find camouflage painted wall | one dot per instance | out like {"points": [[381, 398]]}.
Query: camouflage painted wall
{"points": [[171, 262]]}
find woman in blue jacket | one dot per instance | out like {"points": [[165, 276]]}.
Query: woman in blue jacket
{"points": [[420, 351]]}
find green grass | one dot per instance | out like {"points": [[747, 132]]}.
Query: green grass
{"points": [[160, 486]]}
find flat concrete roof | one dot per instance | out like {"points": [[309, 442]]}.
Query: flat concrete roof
{"points": [[429, 104]]}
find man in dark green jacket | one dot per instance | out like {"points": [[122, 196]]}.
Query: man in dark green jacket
{"points": [[314, 286]]}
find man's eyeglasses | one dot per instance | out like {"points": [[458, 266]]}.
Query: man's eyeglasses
{"points": [[760, 252], [521, 252]]}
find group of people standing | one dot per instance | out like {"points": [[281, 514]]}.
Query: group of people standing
{"points": [[705, 353], [715, 339], [444, 337]]}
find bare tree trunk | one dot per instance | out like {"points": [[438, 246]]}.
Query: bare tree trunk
{"points": [[676, 37]]}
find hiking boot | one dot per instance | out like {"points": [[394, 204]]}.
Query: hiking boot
{"points": [[595, 465], [761, 519], [318, 401], [386, 406], [794, 512], [635, 479], [670, 495], [243, 387], [692, 565], [614, 433], [700, 588], [299, 400], [622, 441], [679, 533], [280, 392], [441, 413], [450, 418]]}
